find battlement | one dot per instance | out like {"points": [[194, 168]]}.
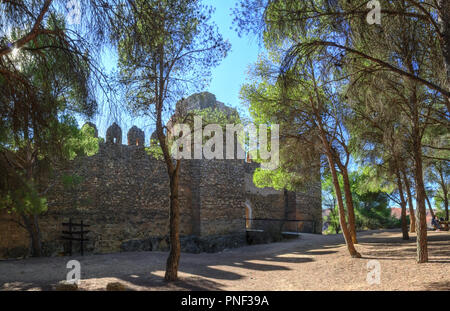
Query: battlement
{"points": [[135, 136]]}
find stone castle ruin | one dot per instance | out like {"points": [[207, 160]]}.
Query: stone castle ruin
{"points": [[122, 194]]}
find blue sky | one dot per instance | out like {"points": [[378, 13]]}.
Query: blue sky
{"points": [[227, 78], [231, 74]]}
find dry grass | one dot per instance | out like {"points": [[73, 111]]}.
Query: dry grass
{"points": [[311, 263]]}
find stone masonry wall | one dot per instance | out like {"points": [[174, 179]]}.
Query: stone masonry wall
{"points": [[123, 195], [222, 197], [268, 203]]}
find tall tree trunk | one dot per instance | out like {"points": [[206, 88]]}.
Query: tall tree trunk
{"points": [[173, 172], [349, 203], [421, 220], [403, 207], [344, 228], [175, 247], [338, 192], [174, 220], [412, 218], [348, 196], [416, 134], [337, 188], [421, 226]]}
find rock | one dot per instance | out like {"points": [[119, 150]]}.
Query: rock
{"points": [[66, 286], [204, 100], [116, 287]]}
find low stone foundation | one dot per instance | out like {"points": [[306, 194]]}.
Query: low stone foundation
{"points": [[189, 244]]}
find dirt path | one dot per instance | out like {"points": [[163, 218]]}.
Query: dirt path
{"points": [[312, 262]]}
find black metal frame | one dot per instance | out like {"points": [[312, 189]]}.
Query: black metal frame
{"points": [[70, 234]]}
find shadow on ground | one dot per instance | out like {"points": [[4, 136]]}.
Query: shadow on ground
{"points": [[205, 270], [398, 249], [145, 270]]}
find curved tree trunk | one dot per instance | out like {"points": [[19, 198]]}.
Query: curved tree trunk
{"points": [[349, 203], [348, 198], [412, 216], [174, 220], [173, 172], [330, 157], [337, 189]]}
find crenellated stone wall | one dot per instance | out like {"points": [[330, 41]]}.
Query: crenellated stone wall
{"points": [[122, 193]]}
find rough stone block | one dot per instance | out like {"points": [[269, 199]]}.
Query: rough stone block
{"points": [[116, 287], [66, 286]]}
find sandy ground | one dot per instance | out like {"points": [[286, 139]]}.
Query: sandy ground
{"points": [[312, 262]]}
